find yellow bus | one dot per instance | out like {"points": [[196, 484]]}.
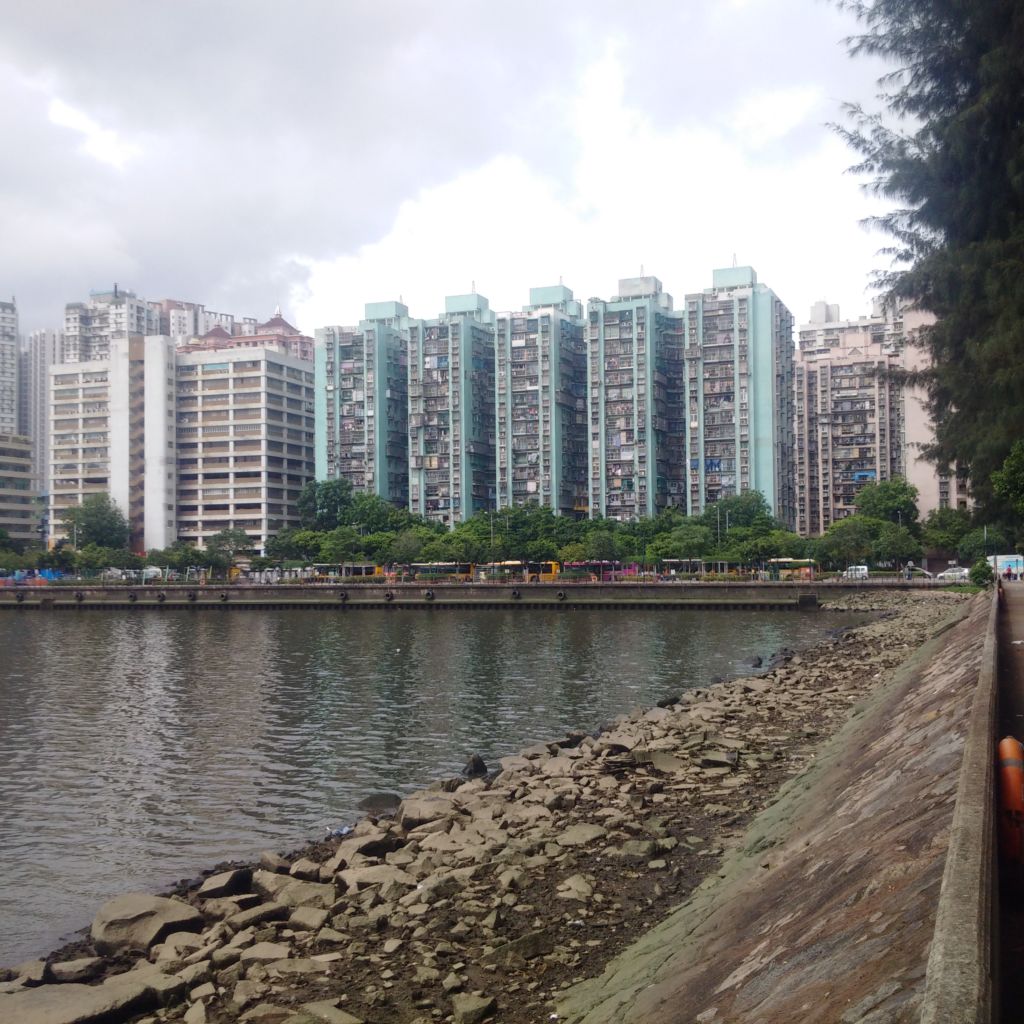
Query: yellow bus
{"points": [[441, 572]]}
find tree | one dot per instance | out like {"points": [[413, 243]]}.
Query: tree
{"points": [[951, 160], [1008, 481], [323, 505], [943, 528], [224, 546], [849, 541], [97, 521], [979, 542], [892, 500], [896, 544]]}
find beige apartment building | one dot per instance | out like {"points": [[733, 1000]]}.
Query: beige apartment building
{"points": [[19, 516], [856, 423], [188, 441]]}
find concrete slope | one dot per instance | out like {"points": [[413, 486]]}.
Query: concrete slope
{"points": [[827, 911]]}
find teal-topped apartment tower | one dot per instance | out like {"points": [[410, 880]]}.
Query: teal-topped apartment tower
{"points": [[636, 430], [540, 404], [451, 412], [361, 402], [739, 394]]}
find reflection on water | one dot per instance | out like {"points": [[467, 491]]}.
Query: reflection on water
{"points": [[137, 749]]}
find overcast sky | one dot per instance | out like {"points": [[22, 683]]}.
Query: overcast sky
{"points": [[321, 154]]}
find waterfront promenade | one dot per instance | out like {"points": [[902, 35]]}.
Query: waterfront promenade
{"points": [[660, 859]]}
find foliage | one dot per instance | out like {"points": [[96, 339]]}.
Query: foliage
{"points": [[943, 529], [896, 543], [848, 541], [97, 521], [980, 542], [952, 159], [981, 574], [893, 500], [322, 504], [1008, 481], [222, 548]]}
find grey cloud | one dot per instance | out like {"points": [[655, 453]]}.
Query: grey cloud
{"points": [[271, 131]]}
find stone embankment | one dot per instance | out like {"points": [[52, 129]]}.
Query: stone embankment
{"points": [[488, 898]]}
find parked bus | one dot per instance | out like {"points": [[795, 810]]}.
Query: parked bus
{"points": [[792, 568], [325, 572], [440, 572], [515, 571], [594, 572]]}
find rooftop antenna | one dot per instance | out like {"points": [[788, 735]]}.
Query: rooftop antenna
{"points": [[734, 259], [641, 270], [473, 289]]}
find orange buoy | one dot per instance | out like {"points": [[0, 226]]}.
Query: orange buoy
{"points": [[1011, 800]]}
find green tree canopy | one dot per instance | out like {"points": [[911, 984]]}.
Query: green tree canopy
{"points": [[893, 500], [223, 547], [324, 504], [97, 521], [948, 152], [849, 541], [943, 528]]}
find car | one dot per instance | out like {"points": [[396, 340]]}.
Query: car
{"points": [[955, 574], [856, 572], [916, 570]]}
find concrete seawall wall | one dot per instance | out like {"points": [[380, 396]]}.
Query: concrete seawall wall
{"points": [[828, 910], [357, 596]]}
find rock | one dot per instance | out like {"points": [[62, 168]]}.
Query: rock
{"points": [[306, 869], [308, 919], [137, 921], [580, 835], [77, 970], [452, 983], [575, 888], [526, 947], [326, 1012], [719, 759], [274, 862], [195, 1014], [266, 1013], [227, 883], [469, 1008], [118, 997], [266, 952], [377, 874], [636, 850], [296, 893], [420, 810], [297, 965], [475, 767], [33, 972], [258, 915]]}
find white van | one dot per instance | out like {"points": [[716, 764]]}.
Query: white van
{"points": [[856, 572]]}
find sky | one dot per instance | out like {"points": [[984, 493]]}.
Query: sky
{"points": [[322, 154]]}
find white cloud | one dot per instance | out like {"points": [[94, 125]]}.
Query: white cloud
{"points": [[676, 201], [100, 143]]}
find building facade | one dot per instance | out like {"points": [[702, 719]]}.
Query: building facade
{"points": [[90, 326], [187, 440], [739, 394], [849, 415], [40, 350], [635, 378], [541, 429], [19, 514], [451, 412], [362, 396], [9, 422]]}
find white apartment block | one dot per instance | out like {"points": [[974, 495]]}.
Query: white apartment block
{"points": [[244, 437], [187, 441], [8, 368], [40, 350], [90, 326]]}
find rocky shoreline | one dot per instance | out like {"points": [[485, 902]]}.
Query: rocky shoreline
{"points": [[482, 898]]}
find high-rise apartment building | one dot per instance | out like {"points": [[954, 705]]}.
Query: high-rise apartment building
{"points": [[90, 326], [362, 415], [19, 516], [540, 368], [244, 438], [849, 414], [635, 376], [739, 394], [187, 440], [177, 319], [9, 368], [40, 350], [451, 412], [857, 423]]}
